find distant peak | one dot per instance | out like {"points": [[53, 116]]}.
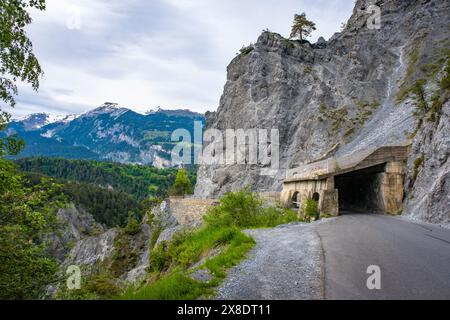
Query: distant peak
{"points": [[111, 105], [154, 110], [112, 108], [38, 120]]}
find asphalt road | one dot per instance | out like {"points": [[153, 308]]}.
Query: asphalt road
{"points": [[414, 258]]}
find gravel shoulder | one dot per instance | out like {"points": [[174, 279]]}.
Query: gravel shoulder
{"points": [[285, 264]]}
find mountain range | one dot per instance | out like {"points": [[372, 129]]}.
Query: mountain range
{"points": [[107, 133]]}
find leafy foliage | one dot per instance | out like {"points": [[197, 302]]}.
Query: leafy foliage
{"points": [[312, 209], [10, 145], [245, 50], [27, 215], [245, 209], [17, 60], [133, 227]]}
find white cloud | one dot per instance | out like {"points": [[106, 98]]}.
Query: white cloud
{"points": [[141, 54]]}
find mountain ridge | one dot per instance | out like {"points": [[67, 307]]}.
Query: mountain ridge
{"points": [[109, 132]]}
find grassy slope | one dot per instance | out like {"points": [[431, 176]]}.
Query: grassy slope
{"points": [[171, 263]]}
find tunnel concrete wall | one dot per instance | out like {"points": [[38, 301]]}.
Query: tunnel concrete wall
{"points": [[328, 195], [385, 191]]}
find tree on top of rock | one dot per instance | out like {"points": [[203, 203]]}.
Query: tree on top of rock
{"points": [[302, 27]]}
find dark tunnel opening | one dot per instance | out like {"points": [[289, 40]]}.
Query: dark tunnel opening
{"points": [[359, 191]]}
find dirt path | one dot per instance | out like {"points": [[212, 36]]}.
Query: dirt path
{"points": [[286, 264]]}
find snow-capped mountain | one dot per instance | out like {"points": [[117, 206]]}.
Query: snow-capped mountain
{"points": [[109, 132], [38, 120]]}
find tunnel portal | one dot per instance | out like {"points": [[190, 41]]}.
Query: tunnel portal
{"points": [[370, 181], [360, 191]]}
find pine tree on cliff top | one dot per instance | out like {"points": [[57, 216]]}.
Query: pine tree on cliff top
{"points": [[302, 27]]}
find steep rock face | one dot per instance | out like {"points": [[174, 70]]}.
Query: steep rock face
{"points": [[343, 92], [428, 181], [120, 253], [92, 250], [75, 225]]}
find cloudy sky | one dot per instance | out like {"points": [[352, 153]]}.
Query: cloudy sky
{"points": [[148, 53]]}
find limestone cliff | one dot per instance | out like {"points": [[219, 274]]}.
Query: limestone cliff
{"points": [[355, 91]]}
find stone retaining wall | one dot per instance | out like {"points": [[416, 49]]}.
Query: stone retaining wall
{"points": [[189, 210]]}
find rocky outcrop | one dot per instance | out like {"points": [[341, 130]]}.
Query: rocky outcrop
{"points": [[92, 250], [429, 173], [75, 224], [121, 253], [349, 92]]}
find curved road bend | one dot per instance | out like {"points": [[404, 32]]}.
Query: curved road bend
{"points": [[414, 258]]}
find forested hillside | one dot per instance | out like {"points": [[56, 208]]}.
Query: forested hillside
{"points": [[108, 191], [140, 181]]}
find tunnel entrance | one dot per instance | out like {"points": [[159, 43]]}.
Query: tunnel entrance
{"points": [[360, 191]]}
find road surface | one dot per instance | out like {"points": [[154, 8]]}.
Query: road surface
{"points": [[414, 258]]}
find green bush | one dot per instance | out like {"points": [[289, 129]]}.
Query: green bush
{"points": [[312, 209], [245, 50], [182, 185], [97, 286], [160, 258], [245, 209], [418, 163], [103, 285], [238, 209], [133, 227]]}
